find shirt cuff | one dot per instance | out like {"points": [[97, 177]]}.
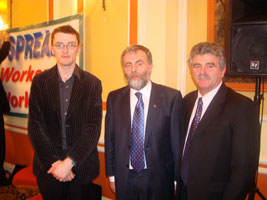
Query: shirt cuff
{"points": [[72, 162], [111, 178]]}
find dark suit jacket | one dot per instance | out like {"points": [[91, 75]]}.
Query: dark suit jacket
{"points": [[225, 149], [4, 105], [4, 51], [83, 123], [162, 139]]}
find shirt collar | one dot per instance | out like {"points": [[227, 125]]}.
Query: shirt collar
{"points": [[76, 72], [209, 96]]}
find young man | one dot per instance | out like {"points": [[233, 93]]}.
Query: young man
{"points": [[65, 112], [142, 132], [221, 134]]}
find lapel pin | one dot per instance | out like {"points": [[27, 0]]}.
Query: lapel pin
{"points": [[154, 106]]}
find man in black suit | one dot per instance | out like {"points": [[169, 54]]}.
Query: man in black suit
{"points": [[142, 132], [4, 108], [65, 112], [220, 150]]}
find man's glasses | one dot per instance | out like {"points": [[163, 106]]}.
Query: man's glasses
{"points": [[61, 46]]}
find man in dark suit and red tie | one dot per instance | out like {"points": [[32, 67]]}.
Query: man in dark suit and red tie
{"points": [[65, 114], [221, 135], [142, 132]]}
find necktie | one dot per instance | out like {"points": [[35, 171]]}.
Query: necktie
{"points": [[185, 160], [137, 136]]}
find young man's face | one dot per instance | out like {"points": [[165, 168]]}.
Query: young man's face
{"points": [[65, 47]]}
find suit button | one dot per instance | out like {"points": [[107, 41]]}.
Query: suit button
{"points": [[67, 126], [127, 166]]}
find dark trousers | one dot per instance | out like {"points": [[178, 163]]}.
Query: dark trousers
{"points": [[52, 189], [181, 191], [137, 188], [2, 149]]}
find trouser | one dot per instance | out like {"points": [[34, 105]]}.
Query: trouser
{"points": [[2, 149], [137, 188], [52, 189], [181, 191]]}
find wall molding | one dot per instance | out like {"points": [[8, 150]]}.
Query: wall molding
{"points": [[182, 45]]}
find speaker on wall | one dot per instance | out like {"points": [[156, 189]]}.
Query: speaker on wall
{"points": [[246, 37]]}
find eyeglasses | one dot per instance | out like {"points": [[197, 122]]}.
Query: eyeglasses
{"points": [[61, 46]]}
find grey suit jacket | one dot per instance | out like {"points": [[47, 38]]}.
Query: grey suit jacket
{"points": [[225, 148], [83, 123], [162, 139]]}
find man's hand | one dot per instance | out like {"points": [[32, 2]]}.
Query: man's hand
{"points": [[69, 177], [61, 170], [112, 186]]}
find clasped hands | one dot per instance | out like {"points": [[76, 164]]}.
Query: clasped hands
{"points": [[61, 170]]}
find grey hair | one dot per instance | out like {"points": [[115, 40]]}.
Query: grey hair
{"points": [[208, 48], [135, 48]]}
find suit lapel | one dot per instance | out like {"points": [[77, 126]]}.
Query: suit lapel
{"points": [[189, 105], [76, 95], [213, 110], [53, 90], [124, 125], [153, 111], [126, 115], [188, 109]]}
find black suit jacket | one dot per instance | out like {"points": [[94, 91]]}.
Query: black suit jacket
{"points": [[83, 123], [4, 104], [4, 107], [162, 139], [225, 149]]}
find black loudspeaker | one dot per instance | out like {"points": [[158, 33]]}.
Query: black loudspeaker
{"points": [[246, 37]]}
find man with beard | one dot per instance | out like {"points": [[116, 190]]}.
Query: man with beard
{"points": [[220, 154], [142, 132]]}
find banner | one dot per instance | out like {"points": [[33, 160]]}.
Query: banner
{"points": [[30, 54]]}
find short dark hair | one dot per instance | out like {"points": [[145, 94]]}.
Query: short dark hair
{"points": [[65, 29], [134, 48], [211, 48]]}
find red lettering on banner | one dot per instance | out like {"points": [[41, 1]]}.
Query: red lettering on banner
{"points": [[17, 75], [14, 101], [21, 98], [26, 100], [30, 73], [20, 101], [6, 73], [23, 73]]}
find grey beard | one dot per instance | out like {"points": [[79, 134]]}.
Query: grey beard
{"points": [[137, 85]]}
